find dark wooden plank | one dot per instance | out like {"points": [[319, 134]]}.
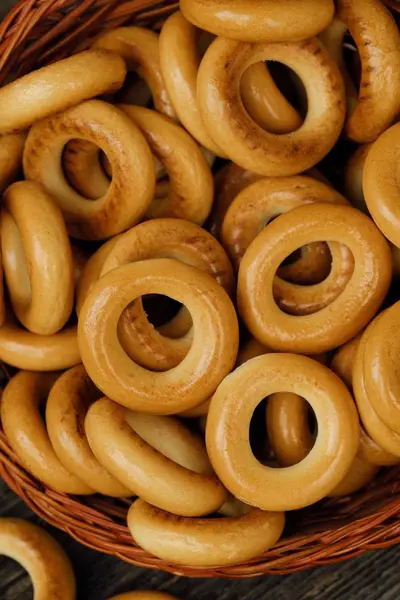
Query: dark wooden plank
{"points": [[374, 576]]}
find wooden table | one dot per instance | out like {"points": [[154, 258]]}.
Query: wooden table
{"points": [[374, 576]]}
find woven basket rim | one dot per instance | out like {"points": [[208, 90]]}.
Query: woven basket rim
{"points": [[98, 523]]}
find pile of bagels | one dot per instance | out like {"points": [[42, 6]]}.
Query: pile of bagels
{"points": [[215, 198]]}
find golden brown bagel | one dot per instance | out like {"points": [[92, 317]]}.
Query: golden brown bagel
{"points": [[139, 48], [379, 366], [59, 86], [374, 454], [257, 205], [191, 185], [232, 128], [379, 183], [315, 264], [262, 201], [41, 556], [378, 41], [252, 21], [333, 38], [341, 320], [25, 350], [210, 358], [288, 428], [67, 405], [343, 361], [37, 258], [248, 350], [106, 126], [179, 63], [180, 60], [204, 542], [353, 186], [157, 238], [381, 434], [360, 474], [227, 432], [27, 435], [155, 457], [162, 238], [342, 364]]}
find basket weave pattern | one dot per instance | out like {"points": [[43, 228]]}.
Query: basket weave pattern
{"points": [[37, 32]]}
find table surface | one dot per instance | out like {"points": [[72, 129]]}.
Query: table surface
{"points": [[373, 576]]}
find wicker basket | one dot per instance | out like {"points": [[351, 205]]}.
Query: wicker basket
{"points": [[37, 32]]}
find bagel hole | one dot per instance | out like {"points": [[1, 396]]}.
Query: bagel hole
{"points": [[42, 411], [163, 316], [310, 276], [314, 273], [292, 258], [298, 302], [313, 431], [352, 59], [258, 435], [17, 582], [164, 313], [290, 85], [135, 90], [86, 168], [160, 309], [315, 266], [204, 40]]}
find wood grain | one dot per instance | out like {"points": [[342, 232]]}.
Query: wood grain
{"points": [[374, 576]]}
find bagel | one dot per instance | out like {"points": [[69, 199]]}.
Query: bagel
{"points": [[378, 42], [25, 350], [57, 87], [257, 205], [41, 556], [252, 21], [130, 157], [67, 405], [204, 542], [210, 358], [232, 128], [37, 258], [155, 457], [380, 184], [27, 434], [341, 320], [139, 48], [229, 448]]}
